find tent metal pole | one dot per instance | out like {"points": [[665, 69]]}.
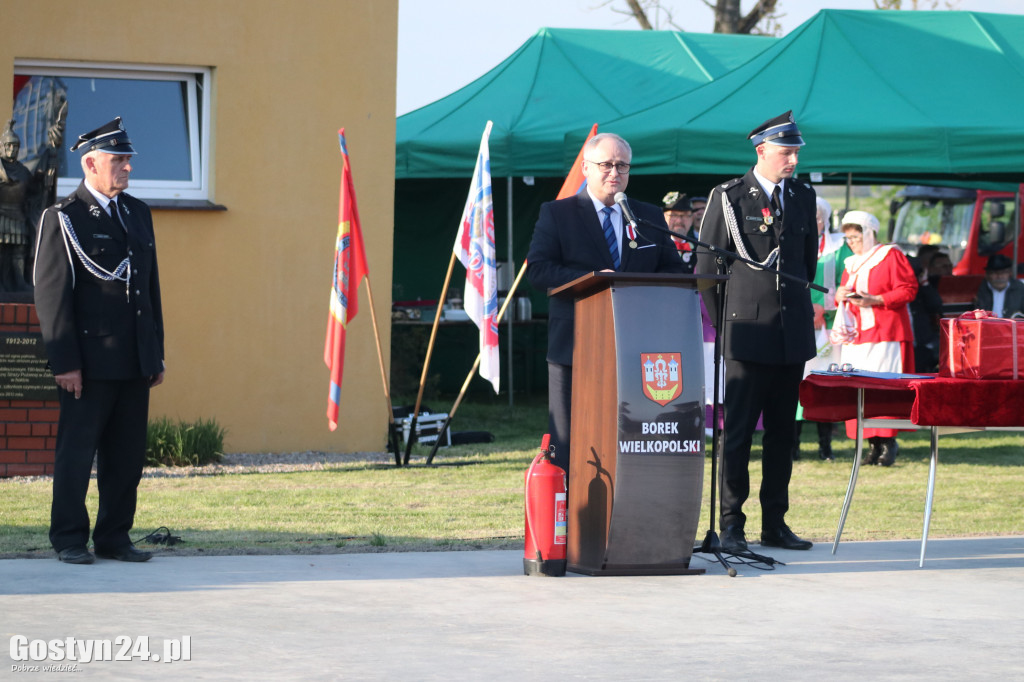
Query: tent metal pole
{"points": [[1016, 233], [849, 184], [511, 265]]}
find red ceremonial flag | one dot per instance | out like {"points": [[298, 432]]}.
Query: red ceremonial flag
{"points": [[349, 270], [574, 181]]}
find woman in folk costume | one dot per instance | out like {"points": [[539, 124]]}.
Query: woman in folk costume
{"points": [[872, 319]]}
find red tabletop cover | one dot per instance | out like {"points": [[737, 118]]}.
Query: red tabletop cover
{"points": [[939, 401]]}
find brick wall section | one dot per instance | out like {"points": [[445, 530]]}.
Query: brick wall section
{"points": [[28, 428]]}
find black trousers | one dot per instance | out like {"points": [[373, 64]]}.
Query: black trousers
{"points": [[108, 422], [560, 411], [751, 389]]}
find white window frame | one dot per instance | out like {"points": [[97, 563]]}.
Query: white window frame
{"points": [[199, 80]]}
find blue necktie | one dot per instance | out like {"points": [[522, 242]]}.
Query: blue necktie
{"points": [[609, 235]]}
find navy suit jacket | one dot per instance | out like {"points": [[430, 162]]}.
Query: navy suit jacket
{"points": [[568, 242]]}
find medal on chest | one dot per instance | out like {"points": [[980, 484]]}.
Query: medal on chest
{"points": [[631, 233], [766, 213]]}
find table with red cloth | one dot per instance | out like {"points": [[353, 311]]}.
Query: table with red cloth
{"points": [[940, 404]]}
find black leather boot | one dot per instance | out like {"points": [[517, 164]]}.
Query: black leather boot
{"points": [[888, 453], [872, 451], [825, 441]]}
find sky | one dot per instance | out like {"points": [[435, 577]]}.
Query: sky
{"points": [[446, 44]]}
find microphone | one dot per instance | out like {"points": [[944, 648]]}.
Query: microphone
{"points": [[627, 212]]}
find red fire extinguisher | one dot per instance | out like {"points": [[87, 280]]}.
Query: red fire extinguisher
{"points": [[544, 553]]}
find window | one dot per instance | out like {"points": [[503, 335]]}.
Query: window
{"points": [[166, 111], [997, 225]]}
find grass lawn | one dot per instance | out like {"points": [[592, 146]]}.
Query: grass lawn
{"points": [[472, 497]]}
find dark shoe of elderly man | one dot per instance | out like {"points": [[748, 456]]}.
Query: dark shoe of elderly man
{"points": [[782, 536], [127, 553], [75, 555]]}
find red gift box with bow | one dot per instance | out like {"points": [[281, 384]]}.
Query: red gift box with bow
{"points": [[977, 345]]}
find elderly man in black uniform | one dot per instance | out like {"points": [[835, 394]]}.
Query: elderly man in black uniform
{"points": [[582, 234], [679, 216], [97, 294], [767, 217]]}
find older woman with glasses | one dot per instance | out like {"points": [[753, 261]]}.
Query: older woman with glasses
{"points": [[872, 319]]}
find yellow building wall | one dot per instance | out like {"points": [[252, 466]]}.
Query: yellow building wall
{"points": [[246, 291]]}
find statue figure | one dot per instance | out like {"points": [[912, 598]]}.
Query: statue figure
{"points": [[15, 180], [24, 194]]}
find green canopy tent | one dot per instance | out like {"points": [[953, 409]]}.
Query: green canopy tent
{"points": [[560, 80], [883, 95]]}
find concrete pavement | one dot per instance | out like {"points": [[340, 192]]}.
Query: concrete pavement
{"points": [[868, 612]]}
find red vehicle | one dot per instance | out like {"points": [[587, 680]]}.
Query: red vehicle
{"points": [[970, 225]]}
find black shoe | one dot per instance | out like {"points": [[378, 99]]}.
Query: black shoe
{"points": [[733, 540], [888, 452], [782, 536], [75, 555], [825, 452], [126, 553], [871, 453]]}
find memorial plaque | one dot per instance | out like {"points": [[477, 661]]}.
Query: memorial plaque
{"points": [[23, 371]]}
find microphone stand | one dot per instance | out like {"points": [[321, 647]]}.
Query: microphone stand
{"points": [[712, 544]]}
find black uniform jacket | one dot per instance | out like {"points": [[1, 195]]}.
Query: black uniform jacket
{"points": [[768, 320], [568, 242], [107, 329]]}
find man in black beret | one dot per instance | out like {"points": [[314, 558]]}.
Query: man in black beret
{"points": [[768, 217], [679, 217], [97, 295], [1001, 293]]}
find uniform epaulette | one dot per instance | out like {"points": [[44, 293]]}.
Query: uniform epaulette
{"points": [[66, 201], [731, 183]]}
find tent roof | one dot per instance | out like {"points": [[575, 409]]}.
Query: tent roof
{"points": [[880, 94], [558, 81]]}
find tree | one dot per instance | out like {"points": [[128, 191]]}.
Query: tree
{"points": [[761, 19], [917, 4], [729, 18]]}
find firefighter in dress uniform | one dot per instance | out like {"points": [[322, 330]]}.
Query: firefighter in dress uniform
{"points": [[97, 295], [768, 217]]}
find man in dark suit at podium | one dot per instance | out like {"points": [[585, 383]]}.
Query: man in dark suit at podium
{"points": [[768, 217], [583, 234]]}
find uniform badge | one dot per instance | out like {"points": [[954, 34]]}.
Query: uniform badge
{"points": [[94, 211], [753, 191], [687, 256], [661, 378]]}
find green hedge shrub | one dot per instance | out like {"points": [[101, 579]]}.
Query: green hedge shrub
{"points": [[183, 444]]}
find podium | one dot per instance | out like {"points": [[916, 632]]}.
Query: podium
{"points": [[636, 453]]}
